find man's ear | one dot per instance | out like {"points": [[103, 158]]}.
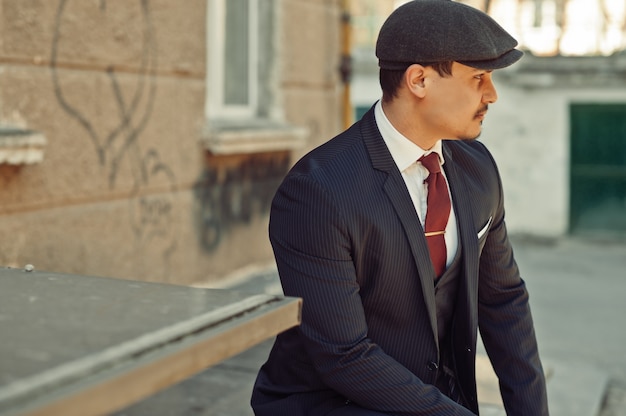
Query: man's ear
{"points": [[414, 78]]}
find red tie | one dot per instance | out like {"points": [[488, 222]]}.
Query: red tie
{"points": [[437, 213]]}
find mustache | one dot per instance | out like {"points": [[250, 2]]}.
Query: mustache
{"points": [[482, 110]]}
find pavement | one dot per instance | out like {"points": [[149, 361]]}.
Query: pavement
{"points": [[578, 298]]}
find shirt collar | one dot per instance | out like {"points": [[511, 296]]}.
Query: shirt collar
{"points": [[403, 151]]}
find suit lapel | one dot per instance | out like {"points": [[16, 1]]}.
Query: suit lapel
{"points": [[395, 188], [467, 234], [398, 195]]}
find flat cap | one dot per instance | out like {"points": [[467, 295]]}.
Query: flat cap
{"points": [[431, 31]]}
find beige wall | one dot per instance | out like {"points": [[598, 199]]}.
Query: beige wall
{"points": [[125, 188], [311, 68]]}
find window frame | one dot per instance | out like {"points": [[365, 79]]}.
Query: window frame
{"points": [[216, 70], [261, 125]]}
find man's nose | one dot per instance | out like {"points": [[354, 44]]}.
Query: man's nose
{"points": [[490, 95]]}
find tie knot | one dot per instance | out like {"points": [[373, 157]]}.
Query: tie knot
{"points": [[431, 162]]}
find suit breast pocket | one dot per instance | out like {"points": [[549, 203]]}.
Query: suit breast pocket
{"points": [[482, 234]]}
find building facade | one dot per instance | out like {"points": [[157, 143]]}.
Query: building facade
{"points": [[144, 139]]}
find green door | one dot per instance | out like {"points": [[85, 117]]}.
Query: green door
{"points": [[598, 168]]}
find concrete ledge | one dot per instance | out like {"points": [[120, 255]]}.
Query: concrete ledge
{"points": [[252, 136], [20, 146], [573, 388]]}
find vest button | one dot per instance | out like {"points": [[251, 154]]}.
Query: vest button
{"points": [[432, 366]]}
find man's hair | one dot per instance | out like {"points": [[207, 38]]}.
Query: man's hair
{"points": [[390, 79]]}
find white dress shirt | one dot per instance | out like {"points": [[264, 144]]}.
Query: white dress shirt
{"points": [[405, 154]]}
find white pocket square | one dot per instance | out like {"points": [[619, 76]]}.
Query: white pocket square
{"points": [[485, 228]]}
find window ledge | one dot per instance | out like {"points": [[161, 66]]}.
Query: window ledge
{"points": [[19, 146], [252, 136]]}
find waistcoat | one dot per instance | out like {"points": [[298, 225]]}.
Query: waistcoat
{"points": [[446, 288]]}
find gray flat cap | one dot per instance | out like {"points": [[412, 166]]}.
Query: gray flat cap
{"points": [[430, 31]]}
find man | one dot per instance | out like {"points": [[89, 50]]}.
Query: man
{"points": [[395, 239]]}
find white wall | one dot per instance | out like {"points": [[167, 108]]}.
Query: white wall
{"points": [[527, 131]]}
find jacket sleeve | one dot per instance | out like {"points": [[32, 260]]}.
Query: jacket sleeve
{"points": [[312, 247], [506, 324]]}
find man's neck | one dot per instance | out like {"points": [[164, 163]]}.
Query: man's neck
{"points": [[405, 119]]}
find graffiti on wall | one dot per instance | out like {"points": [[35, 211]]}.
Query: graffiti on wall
{"points": [[114, 107], [227, 196]]}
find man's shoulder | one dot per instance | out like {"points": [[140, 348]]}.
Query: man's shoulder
{"points": [[340, 152]]}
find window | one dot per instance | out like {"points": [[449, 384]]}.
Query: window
{"points": [[234, 62], [243, 97]]}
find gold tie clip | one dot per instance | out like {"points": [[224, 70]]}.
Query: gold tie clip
{"points": [[434, 233]]}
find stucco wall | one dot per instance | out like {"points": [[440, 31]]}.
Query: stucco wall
{"points": [[125, 188], [311, 68]]}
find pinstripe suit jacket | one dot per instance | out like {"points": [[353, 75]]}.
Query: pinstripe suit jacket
{"points": [[347, 240]]}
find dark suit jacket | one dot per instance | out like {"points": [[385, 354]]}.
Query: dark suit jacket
{"points": [[347, 239]]}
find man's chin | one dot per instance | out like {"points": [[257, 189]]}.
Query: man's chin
{"points": [[470, 137], [467, 136]]}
